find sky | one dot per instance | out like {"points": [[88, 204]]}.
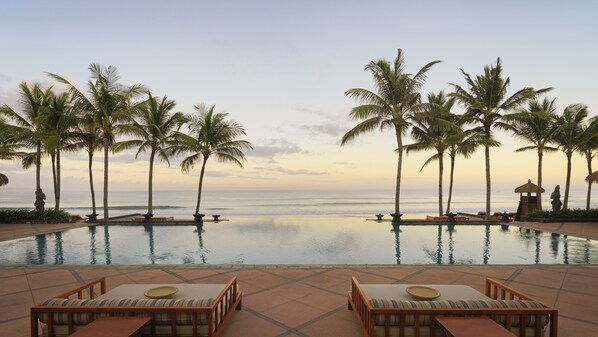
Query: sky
{"points": [[280, 68]]}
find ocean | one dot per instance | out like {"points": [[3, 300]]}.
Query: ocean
{"points": [[181, 204]]}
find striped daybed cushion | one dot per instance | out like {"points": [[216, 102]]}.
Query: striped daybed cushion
{"points": [[182, 318], [394, 319]]}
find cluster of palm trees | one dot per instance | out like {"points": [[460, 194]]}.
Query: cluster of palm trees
{"points": [[397, 103], [51, 122]]}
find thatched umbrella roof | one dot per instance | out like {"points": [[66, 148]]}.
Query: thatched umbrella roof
{"points": [[592, 178], [3, 179], [529, 188]]}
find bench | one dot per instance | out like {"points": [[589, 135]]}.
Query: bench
{"points": [[464, 326], [113, 327]]}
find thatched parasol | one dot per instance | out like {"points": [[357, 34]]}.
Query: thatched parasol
{"points": [[592, 178], [3, 179], [529, 188]]}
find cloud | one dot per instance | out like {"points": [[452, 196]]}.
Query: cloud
{"points": [[331, 129], [271, 148], [290, 172]]}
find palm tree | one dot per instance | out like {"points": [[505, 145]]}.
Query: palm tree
{"points": [[589, 148], [58, 123], [108, 101], [28, 130], [155, 126], [536, 126], [210, 135], [568, 137], [485, 98], [431, 129], [87, 136], [463, 143], [397, 96]]}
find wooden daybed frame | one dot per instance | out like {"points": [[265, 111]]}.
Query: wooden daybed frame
{"points": [[220, 310], [367, 314]]}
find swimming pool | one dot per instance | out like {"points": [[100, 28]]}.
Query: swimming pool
{"points": [[298, 240]]}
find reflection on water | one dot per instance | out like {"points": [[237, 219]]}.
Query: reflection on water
{"points": [[294, 240]]}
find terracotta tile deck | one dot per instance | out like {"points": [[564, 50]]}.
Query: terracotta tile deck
{"points": [[298, 300], [304, 300]]}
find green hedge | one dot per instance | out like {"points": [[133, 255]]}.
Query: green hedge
{"points": [[565, 214], [25, 215]]}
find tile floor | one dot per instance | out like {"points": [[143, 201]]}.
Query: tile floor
{"points": [[297, 300]]}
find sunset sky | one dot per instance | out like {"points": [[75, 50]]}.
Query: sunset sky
{"points": [[281, 68]]}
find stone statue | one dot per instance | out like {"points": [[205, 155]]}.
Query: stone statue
{"points": [[556, 199], [39, 200]]}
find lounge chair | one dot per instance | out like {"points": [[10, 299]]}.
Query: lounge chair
{"points": [[387, 311], [195, 310]]}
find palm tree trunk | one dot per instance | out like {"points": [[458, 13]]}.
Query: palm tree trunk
{"points": [[488, 184], [106, 149], [589, 196], [399, 166], [150, 210], [201, 173], [540, 155], [53, 159], [57, 206], [450, 196], [440, 170], [91, 188], [568, 182]]}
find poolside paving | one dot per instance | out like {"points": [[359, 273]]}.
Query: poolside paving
{"points": [[305, 300]]}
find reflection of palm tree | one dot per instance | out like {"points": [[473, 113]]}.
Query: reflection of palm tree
{"points": [[451, 246], [58, 250], [439, 246], [149, 229], [202, 251], [210, 135], [107, 250], [395, 229], [485, 98], [92, 244], [486, 254], [397, 96]]}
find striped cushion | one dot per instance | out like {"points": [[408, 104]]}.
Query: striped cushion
{"points": [[183, 318], [394, 319]]}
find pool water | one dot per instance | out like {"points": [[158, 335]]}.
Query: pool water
{"points": [[299, 240]]}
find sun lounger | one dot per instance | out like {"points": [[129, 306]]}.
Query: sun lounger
{"points": [[387, 311], [195, 310]]}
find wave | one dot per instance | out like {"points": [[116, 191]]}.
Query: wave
{"points": [[130, 207]]}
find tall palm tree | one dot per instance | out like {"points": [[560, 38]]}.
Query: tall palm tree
{"points": [[589, 149], [462, 143], [535, 125], [211, 135], [28, 129], [8, 147], [87, 136], [155, 125], [568, 137], [109, 102], [58, 123], [396, 97], [431, 129], [485, 98]]}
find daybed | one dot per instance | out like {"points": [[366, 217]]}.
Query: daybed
{"points": [[203, 314], [393, 314]]}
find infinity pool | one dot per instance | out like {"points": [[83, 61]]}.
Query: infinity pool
{"points": [[298, 240]]}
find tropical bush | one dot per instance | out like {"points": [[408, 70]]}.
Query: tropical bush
{"points": [[565, 214], [26, 215]]}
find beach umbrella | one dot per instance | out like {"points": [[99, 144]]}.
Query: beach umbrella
{"points": [[3, 179], [592, 178], [528, 188]]}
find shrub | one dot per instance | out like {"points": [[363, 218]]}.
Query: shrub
{"points": [[25, 215], [565, 214]]}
